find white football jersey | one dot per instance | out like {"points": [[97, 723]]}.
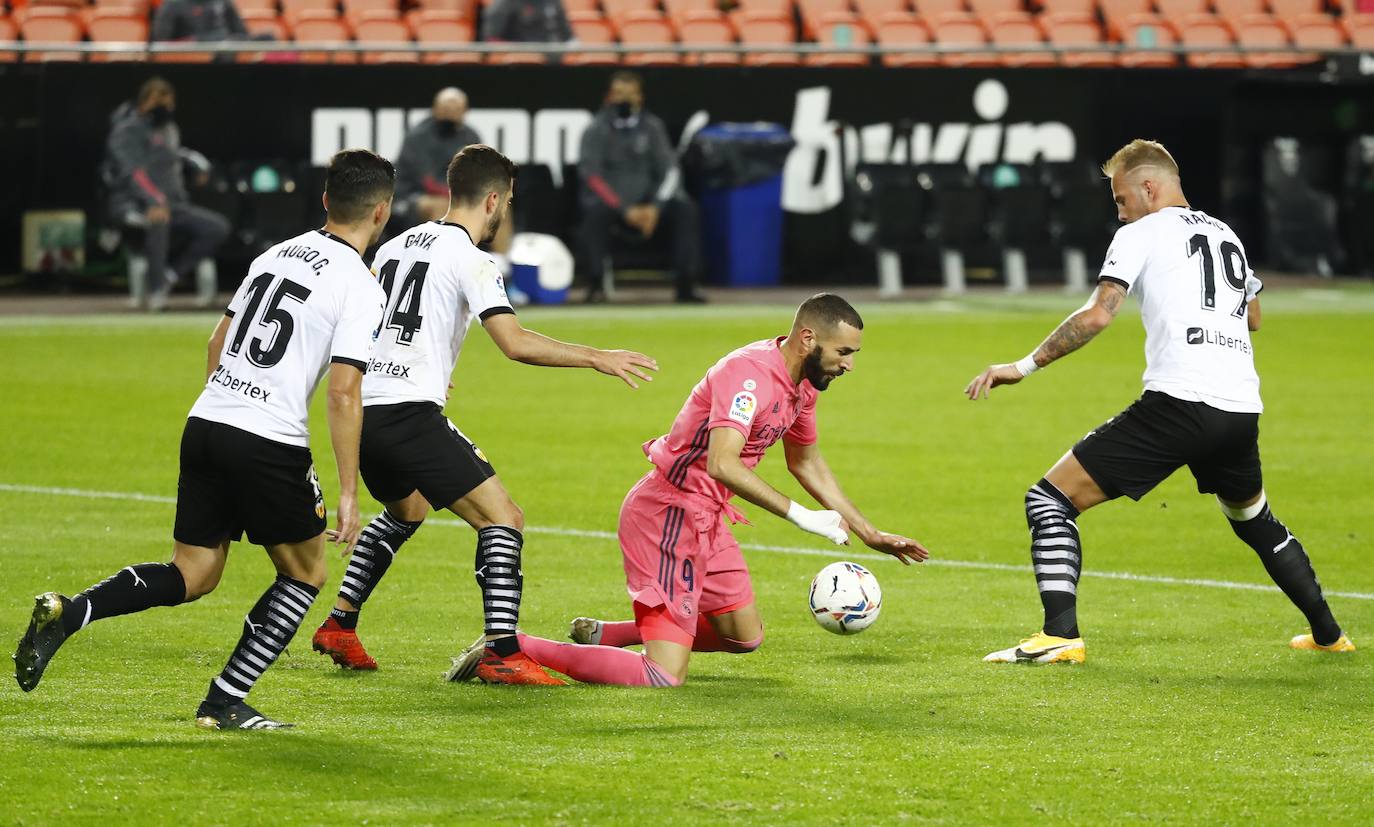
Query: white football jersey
{"points": [[437, 282], [1188, 270], [306, 302]]}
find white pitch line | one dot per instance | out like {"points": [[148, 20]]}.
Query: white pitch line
{"points": [[836, 554]]}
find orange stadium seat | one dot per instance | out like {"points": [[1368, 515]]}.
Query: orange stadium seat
{"points": [[782, 7], [322, 26], [264, 21], [355, 9], [1115, 12], [51, 24], [1176, 10], [255, 5], [443, 27], [872, 11], [1068, 7], [1209, 30], [767, 29], [466, 8], [518, 58], [571, 6], [1262, 30], [384, 26], [1360, 29], [1018, 28], [1288, 10], [841, 30], [928, 10], [1316, 31], [1142, 32], [814, 11], [616, 10], [8, 31], [647, 28], [962, 29], [591, 30], [1077, 35], [708, 27], [677, 9], [1233, 10], [989, 9], [904, 29], [291, 10], [114, 25]]}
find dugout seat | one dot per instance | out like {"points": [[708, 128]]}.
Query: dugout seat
{"points": [[904, 29], [956, 216], [591, 30], [708, 28], [1017, 200], [889, 203], [1078, 219]]}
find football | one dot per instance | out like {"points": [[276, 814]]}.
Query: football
{"points": [[845, 598]]}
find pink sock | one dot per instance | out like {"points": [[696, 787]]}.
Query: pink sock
{"points": [[596, 664], [619, 633]]}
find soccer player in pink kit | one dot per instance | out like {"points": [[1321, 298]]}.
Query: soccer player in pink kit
{"points": [[683, 568]]}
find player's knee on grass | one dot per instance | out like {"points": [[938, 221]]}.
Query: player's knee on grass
{"points": [[744, 647]]}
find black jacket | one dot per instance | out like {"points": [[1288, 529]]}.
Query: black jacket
{"points": [[202, 20], [143, 165], [627, 161], [526, 21], [422, 166]]}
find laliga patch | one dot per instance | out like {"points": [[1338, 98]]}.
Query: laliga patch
{"points": [[742, 408]]}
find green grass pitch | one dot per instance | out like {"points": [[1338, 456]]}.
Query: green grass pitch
{"points": [[1191, 708]]}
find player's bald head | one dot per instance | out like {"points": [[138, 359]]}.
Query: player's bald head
{"points": [[1141, 154], [824, 312]]}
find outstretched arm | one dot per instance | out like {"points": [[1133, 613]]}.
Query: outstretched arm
{"points": [[724, 465], [522, 345], [1074, 332], [811, 470]]}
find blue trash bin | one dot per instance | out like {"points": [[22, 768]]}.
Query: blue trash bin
{"points": [[739, 169]]}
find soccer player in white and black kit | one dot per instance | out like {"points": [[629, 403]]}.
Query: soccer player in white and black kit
{"points": [[413, 458], [309, 306], [1201, 406]]}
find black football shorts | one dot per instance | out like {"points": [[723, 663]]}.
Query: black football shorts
{"points": [[412, 446]]}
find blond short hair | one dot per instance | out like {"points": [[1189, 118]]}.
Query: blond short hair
{"points": [[1140, 153]]}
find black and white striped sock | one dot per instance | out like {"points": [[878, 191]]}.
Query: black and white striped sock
{"points": [[267, 629], [1056, 556], [500, 578], [377, 547]]}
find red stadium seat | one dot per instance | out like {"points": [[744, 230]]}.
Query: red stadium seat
{"points": [[440, 27], [571, 6], [245, 6], [322, 26], [51, 24], [292, 9], [962, 29], [677, 10], [114, 25], [591, 30], [1142, 32], [872, 11], [616, 10], [841, 30], [767, 29], [8, 31], [1176, 10], [384, 26], [928, 10], [355, 9], [647, 28], [465, 8], [1209, 30], [1360, 29], [1317, 31], [708, 27], [1262, 30], [777, 7], [1011, 29], [814, 11], [1079, 33], [901, 29]]}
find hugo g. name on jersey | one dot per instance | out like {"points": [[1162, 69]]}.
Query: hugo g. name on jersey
{"points": [[1189, 272], [306, 302], [436, 281]]}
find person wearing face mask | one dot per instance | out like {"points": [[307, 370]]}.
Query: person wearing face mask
{"points": [[421, 190], [143, 169], [630, 177]]}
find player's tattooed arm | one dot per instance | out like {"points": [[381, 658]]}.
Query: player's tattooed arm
{"points": [[1085, 323], [1074, 332]]}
